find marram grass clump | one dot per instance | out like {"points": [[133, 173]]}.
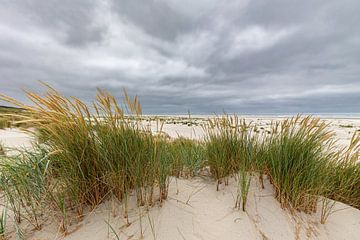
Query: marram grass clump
{"points": [[297, 158], [344, 174], [231, 146], [92, 154], [300, 157], [187, 157]]}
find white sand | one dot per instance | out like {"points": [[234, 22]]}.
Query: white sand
{"points": [[341, 127], [12, 138], [198, 211]]}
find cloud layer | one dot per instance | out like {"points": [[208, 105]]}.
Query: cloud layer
{"points": [[204, 56]]}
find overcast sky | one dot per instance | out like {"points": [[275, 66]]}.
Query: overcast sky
{"points": [[204, 56]]}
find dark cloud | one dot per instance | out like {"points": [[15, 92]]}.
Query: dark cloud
{"points": [[204, 56], [69, 21], [154, 17]]}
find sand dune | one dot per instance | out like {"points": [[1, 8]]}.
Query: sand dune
{"points": [[195, 210], [198, 211]]}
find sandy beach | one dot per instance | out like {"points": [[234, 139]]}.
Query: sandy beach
{"points": [[194, 209], [198, 211]]}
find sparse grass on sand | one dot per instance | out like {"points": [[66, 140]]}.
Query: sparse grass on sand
{"points": [[86, 155]]}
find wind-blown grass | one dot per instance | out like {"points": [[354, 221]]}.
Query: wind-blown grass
{"points": [[92, 156], [297, 157], [9, 117], [232, 149], [231, 145], [303, 164], [89, 153]]}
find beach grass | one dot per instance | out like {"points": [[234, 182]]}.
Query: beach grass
{"points": [[9, 117], [345, 174], [231, 146], [92, 156], [24, 181], [304, 164], [88, 153], [297, 158], [187, 157]]}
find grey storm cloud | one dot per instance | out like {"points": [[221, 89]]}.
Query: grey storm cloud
{"points": [[205, 56]]}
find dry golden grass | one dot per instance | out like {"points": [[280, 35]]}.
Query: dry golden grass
{"points": [[89, 153]]}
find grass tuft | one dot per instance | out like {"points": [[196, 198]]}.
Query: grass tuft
{"points": [[90, 155], [187, 157]]}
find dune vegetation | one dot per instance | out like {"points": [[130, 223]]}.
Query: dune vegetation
{"points": [[87, 154], [9, 117]]}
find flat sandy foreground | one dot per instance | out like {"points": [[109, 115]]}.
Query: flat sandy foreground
{"points": [[195, 210]]}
